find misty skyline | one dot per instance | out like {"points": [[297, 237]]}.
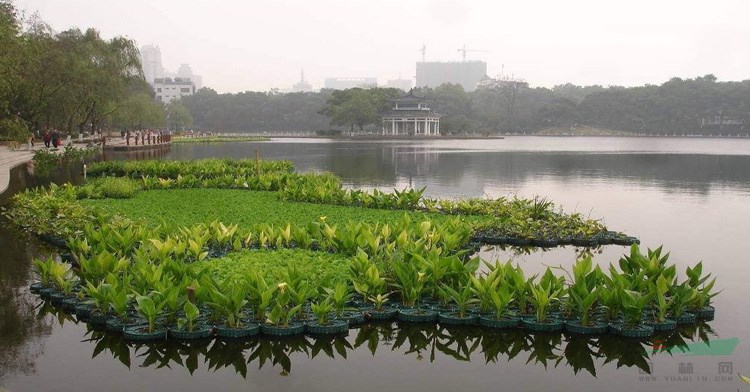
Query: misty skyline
{"points": [[259, 45]]}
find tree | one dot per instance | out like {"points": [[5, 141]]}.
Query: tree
{"points": [[357, 107], [139, 111], [178, 117]]}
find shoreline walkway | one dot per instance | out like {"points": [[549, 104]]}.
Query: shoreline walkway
{"points": [[10, 159]]}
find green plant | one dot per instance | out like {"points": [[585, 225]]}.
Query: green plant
{"points": [[379, 300], [191, 315], [339, 296], [282, 310], [501, 299], [43, 269], [462, 298], [322, 311], [149, 309], [542, 298], [664, 303], [410, 282], [682, 297], [633, 305]]}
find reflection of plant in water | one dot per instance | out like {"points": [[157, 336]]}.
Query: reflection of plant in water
{"points": [[679, 339], [327, 345], [224, 354], [278, 352], [372, 334], [625, 351], [459, 342], [420, 337], [111, 342], [510, 343], [579, 354], [22, 333], [545, 347]]}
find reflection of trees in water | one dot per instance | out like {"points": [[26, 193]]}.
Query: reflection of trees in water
{"points": [[21, 329], [420, 341]]}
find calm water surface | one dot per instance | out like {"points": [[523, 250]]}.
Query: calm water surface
{"points": [[691, 195]]}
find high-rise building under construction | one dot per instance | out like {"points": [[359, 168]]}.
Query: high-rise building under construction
{"points": [[465, 73]]}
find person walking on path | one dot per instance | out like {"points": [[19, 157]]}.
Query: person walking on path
{"points": [[47, 138], [55, 139]]}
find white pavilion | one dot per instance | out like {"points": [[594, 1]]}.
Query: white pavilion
{"points": [[410, 116]]}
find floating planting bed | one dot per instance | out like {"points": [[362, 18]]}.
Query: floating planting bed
{"points": [[512, 221], [153, 297], [298, 260]]}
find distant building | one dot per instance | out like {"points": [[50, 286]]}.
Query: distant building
{"points": [[503, 81], [402, 84], [168, 89], [466, 73], [345, 83], [302, 86], [151, 63], [410, 116], [185, 72]]}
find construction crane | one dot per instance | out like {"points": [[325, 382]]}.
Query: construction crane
{"points": [[464, 50]]}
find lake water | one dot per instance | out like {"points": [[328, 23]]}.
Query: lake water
{"points": [[691, 195]]}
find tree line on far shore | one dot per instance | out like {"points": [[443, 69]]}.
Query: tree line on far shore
{"points": [[701, 105], [72, 81]]}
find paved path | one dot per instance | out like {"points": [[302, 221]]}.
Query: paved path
{"points": [[10, 159]]}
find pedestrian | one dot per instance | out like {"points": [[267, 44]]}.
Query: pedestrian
{"points": [[47, 138], [55, 139]]}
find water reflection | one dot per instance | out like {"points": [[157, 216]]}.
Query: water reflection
{"points": [[22, 328], [460, 168], [418, 341]]}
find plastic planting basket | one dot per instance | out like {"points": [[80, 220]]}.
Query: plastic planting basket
{"points": [[384, 314], [294, 328], [247, 330], [35, 287], [353, 317], [639, 331], [499, 323], [546, 242], [417, 315], [83, 311], [596, 327], [451, 318], [116, 324], [46, 292], [686, 318], [200, 331], [70, 304], [140, 333], [706, 313], [667, 325], [98, 319], [550, 325], [54, 240], [56, 298], [332, 328]]}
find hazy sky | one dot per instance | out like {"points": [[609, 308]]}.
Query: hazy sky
{"points": [[261, 44]]}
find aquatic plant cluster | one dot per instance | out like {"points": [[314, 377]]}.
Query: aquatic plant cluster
{"points": [[515, 221], [149, 284], [154, 281]]}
